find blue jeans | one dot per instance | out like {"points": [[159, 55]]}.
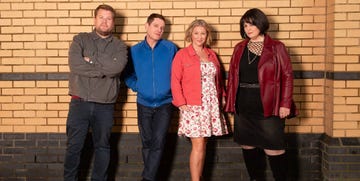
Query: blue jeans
{"points": [[82, 116], [153, 126]]}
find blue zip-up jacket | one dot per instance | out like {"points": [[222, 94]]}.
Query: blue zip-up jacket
{"points": [[149, 72]]}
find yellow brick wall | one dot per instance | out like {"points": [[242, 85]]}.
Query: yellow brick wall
{"points": [[321, 36]]}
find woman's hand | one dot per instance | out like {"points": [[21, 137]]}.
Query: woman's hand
{"points": [[283, 112], [184, 108]]}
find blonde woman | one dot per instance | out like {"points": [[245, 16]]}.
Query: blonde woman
{"points": [[197, 89]]}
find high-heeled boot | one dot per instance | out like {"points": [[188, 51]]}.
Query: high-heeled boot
{"points": [[255, 162], [278, 165]]}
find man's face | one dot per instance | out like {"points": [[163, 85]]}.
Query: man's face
{"points": [[155, 29], [104, 22]]}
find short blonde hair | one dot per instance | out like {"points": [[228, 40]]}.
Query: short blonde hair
{"points": [[202, 23]]}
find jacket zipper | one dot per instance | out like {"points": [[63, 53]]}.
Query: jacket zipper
{"points": [[153, 74]]}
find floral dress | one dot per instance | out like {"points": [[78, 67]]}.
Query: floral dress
{"points": [[205, 120]]}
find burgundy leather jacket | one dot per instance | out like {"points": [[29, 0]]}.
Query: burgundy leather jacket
{"points": [[275, 77]]}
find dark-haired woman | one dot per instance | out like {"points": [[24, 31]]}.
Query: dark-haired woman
{"points": [[259, 91]]}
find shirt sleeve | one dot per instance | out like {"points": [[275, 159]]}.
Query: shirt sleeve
{"points": [[77, 63], [176, 81]]}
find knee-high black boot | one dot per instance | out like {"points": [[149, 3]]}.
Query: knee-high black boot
{"points": [[255, 162], [278, 166]]}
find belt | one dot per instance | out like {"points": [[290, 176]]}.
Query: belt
{"points": [[249, 85], [76, 97]]}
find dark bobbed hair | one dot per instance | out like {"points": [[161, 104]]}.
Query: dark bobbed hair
{"points": [[255, 17], [152, 16], [202, 23], [105, 7]]}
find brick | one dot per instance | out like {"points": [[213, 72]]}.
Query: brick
{"points": [[196, 12], [184, 5], [353, 16], [57, 60], [23, 114], [77, 29], [13, 61], [12, 45], [24, 37], [346, 92], [34, 14], [344, 125], [58, 106], [47, 129], [345, 108], [46, 21], [314, 11], [353, 117], [8, 30], [251, 4], [130, 129], [34, 106], [24, 84], [11, 14], [230, 4], [45, 6], [34, 45], [173, 13], [58, 45], [138, 5], [69, 21], [56, 121], [4, 38], [47, 53], [46, 114], [24, 69], [161, 5], [219, 12], [12, 91], [46, 99], [207, 4], [12, 121], [58, 14], [34, 29], [35, 121], [23, 22], [352, 133], [24, 129], [80, 13], [292, 12]]}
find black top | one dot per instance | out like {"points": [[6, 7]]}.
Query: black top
{"points": [[249, 72]]}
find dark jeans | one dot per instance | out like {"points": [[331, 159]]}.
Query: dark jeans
{"points": [[82, 115], [153, 125]]}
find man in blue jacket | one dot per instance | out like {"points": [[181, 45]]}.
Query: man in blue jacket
{"points": [[148, 74]]}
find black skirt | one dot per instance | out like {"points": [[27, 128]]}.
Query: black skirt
{"points": [[251, 127]]}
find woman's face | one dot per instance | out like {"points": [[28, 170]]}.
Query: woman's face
{"points": [[198, 36], [252, 31]]}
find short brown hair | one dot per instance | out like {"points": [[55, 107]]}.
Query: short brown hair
{"points": [[105, 7], [202, 23], [255, 17], [152, 16]]}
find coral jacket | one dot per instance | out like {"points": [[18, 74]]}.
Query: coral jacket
{"points": [[186, 77], [275, 77]]}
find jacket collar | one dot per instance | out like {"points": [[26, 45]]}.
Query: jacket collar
{"points": [[146, 45], [267, 52], [95, 36], [192, 52]]}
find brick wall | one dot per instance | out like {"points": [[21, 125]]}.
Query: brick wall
{"points": [[39, 156], [322, 38]]}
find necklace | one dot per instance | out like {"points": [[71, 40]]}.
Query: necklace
{"points": [[255, 48], [253, 59]]}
